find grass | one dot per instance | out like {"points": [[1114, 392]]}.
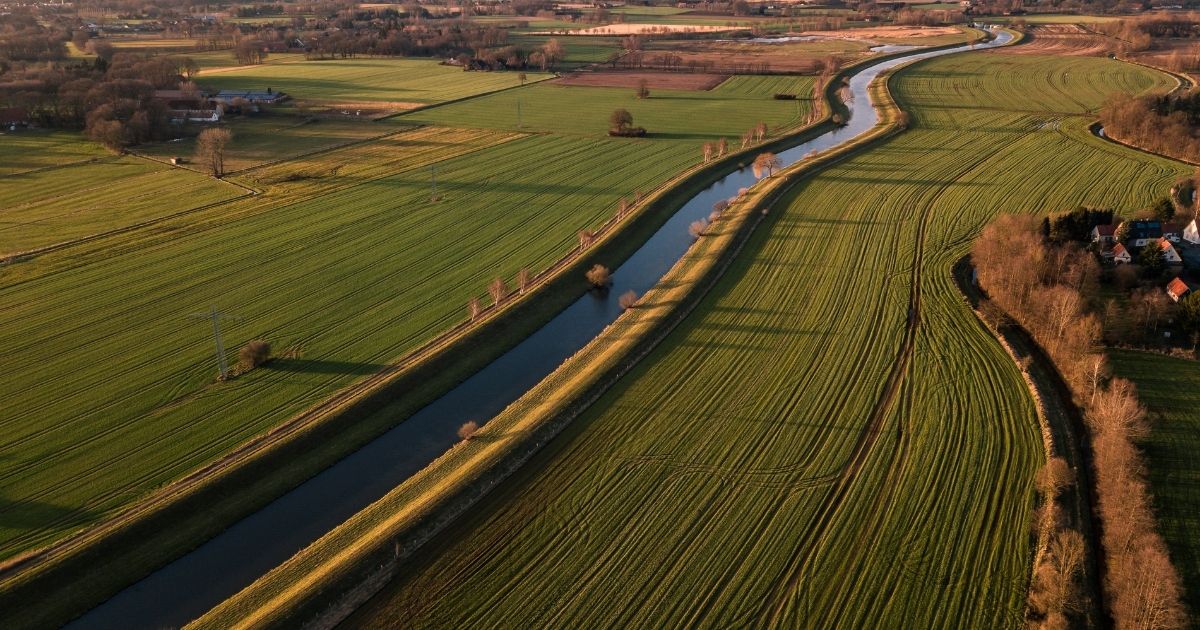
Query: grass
{"points": [[276, 136], [415, 81], [728, 110], [54, 205], [33, 149], [754, 469], [1170, 388], [342, 263]]}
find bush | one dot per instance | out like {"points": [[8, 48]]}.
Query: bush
{"points": [[599, 276], [628, 299], [468, 430], [628, 132], [254, 354]]}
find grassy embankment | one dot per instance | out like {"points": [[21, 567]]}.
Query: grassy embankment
{"points": [[771, 463], [303, 261]]}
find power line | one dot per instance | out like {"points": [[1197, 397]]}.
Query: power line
{"points": [[216, 316]]}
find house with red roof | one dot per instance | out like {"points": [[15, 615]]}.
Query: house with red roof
{"points": [[1177, 289], [1121, 255], [1169, 252]]}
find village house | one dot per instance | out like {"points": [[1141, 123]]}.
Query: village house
{"points": [[189, 107], [13, 118], [1191, 233], [1104, 234], [1140, 233], [1172, 232], [252, 96], [1177, 289], [1120, 255], [1169, 252]]}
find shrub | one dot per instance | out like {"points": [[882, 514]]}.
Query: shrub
{"points": [[254, 354], [468, 430], [628, 299], [599, 276]]}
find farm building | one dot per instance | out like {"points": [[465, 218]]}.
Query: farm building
{"points": [[180, 116], [1120, 255], [253, 96], [1177, 289], [1191, 233], [1104, 234], [1139, 233], [13, 118]]}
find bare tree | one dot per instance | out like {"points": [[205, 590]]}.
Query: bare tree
{"points": [[698, 228], [1118, 410], [523, 280], [586, 238], [468, 430], [622, 207], [765, 162], [497, 290], [628, 299], [643, 91], [474, 308], [210, 149], [722, 147], [760, 131], [708, 151], [599, 276], [254, 354], [1054, 476]]}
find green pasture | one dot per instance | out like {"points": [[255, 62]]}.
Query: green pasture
{"points": [[343, 264], [270, 137], [54, 205], [32, 149], [1170, 389], [755, 470], [667, 114], [394, 80]]}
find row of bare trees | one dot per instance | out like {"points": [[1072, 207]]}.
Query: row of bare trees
{"points": [[1048, 290], [1134, 121]]}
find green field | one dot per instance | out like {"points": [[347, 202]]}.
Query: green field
{"points": [[727, 110], [30, 150], [341, 262], [756, 469], [1170, 388], [55, 205], [274, 136], [416, 81]]}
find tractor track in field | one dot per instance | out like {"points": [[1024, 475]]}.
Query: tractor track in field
{"points": [[873, 429]]}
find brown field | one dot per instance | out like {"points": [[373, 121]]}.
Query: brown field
{"points": [[738, 57], [650, 29], [654, 80], [887, 32], [1061, 39]]}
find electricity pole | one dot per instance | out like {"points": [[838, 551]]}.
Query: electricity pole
{"points": [[216, 316]]}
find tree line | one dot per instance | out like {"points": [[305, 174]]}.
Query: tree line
{"points": [[1050, 289], [1164, 125]]}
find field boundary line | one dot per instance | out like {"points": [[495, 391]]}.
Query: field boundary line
{"points": [[337, 573]]}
